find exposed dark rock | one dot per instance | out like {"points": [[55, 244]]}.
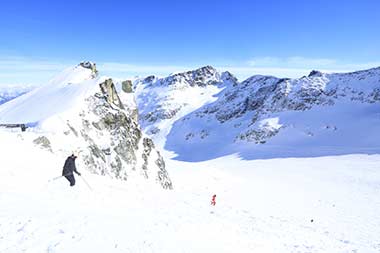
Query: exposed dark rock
{"points": [[90, 65], [315, 73], [127, 86], [149, 79], [109, 92], [43, 142]]}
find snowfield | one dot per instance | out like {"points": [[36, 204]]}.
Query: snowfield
{"points": [[261, 205]]}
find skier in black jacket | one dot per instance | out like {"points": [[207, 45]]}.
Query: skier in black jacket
{"points": [[69, 168]]}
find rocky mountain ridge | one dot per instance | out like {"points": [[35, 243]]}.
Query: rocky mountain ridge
{"points": [[260, 111]]}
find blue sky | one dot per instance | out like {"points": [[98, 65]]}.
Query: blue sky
{"points": [[128, 38]]}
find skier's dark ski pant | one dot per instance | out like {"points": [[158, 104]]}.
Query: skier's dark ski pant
{"points": [[71, 179]]}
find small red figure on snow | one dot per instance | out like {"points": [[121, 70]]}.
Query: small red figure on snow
{"points": [[213, 200]]}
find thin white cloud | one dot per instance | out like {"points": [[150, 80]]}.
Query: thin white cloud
{"points": [[243, 72], [296, 66], [21, 70], [360, 66], [27, 64], [141, 69], [291, 62], [265, 61], [16, 70], [313, 62]]}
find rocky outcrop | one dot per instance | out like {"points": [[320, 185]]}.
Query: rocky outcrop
{"points": [[128, 99], [161, 113], [91, 66], [115, 145], [43, 142], [127, 86], [109, 92]]}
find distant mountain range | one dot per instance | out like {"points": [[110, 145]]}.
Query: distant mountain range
{"points": [[10, 92], [204, 114]]}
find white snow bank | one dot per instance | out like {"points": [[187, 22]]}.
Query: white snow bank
{"points": [[270, 123]]}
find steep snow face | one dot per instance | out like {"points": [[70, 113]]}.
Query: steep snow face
{"points": [[162, 102], [265, 116], [8, 93], [80, 112]]}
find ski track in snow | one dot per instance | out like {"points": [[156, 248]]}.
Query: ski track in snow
{"points": [[262, 206]]}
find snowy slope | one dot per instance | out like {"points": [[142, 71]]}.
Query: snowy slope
{"points": [[62, 93], [261, 206], [268, 117], [81, 112]]}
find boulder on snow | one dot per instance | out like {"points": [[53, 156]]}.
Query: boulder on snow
{"points": [[43, 142], [127, 86]]}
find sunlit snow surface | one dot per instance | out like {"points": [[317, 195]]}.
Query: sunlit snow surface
{"points": [[262, 206], [64, 92]]}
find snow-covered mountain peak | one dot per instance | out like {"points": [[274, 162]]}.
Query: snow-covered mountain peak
{"points": [[77, 74], [165, 100], [203, 76], [64, 92], [206, 75], [204, 72], [315, 73], [227, 77]]}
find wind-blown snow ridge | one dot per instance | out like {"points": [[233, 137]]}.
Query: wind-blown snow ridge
{"points": [[60, 94]]}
